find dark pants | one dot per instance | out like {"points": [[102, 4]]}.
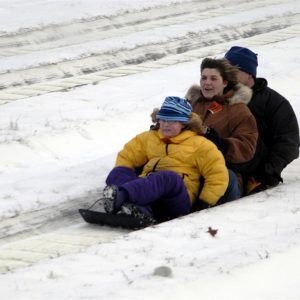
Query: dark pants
{"points": [[161, 194], [232, 192]]}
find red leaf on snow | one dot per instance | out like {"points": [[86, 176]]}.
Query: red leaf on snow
{"points": [[211, 231]]}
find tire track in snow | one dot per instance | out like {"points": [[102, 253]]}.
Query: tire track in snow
{"points": [[103, 27], [94, 67]]}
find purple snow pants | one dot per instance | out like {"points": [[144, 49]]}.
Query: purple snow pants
{"points": [[162, 194]]}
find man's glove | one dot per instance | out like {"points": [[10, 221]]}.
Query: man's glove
{"points": [[268, 180], [261, 182], [213, 136]]}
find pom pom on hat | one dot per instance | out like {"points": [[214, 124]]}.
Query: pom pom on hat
{"points": [[243, 58], [175, 109]]}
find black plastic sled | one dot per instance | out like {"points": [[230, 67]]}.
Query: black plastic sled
{"points": [[113, 220]]}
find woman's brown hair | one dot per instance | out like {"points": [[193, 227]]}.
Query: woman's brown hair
{"points": [[227, 71]]}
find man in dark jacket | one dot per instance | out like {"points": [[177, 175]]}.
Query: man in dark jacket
{"points": [[276, 121]]}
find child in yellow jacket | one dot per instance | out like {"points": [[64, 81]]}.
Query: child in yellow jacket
{"points": [[174, 156]]}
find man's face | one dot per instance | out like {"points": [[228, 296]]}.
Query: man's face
{"points": [[245, 78]]}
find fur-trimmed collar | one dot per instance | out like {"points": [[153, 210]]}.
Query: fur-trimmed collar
{"points": [[238, 94]]}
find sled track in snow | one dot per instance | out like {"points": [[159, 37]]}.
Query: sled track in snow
{"points": [[49, 233], [94, 64], [44, 219]]}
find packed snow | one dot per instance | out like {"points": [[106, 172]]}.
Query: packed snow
{"points": [[61, 145]]}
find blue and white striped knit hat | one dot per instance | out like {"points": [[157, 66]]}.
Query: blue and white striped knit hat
{"points": [[175, 109]]}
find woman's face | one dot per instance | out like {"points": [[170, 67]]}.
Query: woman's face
{"points": [[212, 83], [170, 128]]}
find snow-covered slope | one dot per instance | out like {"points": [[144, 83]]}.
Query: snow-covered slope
{"points": [[254, 255], [56, 149]]}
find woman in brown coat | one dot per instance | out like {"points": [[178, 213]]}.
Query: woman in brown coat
{"points": [[222, 104]]}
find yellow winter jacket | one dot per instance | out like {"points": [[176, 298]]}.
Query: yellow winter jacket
{"points": [[188, 154]]}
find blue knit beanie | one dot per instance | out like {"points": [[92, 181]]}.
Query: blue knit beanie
{"points": [[243, 58], [175, 109]]}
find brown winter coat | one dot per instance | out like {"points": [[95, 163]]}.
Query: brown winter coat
{"points": [[230, 117]]}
